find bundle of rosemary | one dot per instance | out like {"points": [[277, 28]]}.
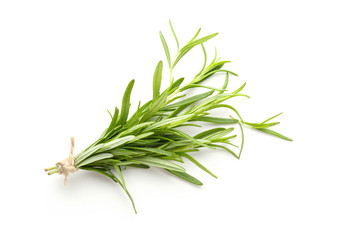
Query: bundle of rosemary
{"points": [[151, 136]]}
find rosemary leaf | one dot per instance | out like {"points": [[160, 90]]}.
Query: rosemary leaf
{"points": [[186, 177], [157, 80]]}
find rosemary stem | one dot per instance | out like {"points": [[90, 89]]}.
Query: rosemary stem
{"points": [[51, 168], [172, 95], [52, 171], [171, 79]]}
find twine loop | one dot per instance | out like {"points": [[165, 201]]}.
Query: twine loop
{"points": [[67, 165]]}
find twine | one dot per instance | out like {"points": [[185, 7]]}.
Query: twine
{"points": [[67, 165]]}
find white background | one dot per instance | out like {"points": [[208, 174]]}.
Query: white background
{"points": [[63, 63]]}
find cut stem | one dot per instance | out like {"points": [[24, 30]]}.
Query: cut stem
{"points": [[51, 168], [53, 171]]}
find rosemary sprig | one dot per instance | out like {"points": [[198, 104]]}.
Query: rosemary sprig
{"points": [[151, 138]]}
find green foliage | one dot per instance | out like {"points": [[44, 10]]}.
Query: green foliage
{"points": [[150, 136]]}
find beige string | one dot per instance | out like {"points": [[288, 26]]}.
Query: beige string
{"points": [[67, 165]]}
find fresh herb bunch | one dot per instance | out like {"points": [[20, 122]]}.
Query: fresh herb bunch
{"points": [[151, 136]]}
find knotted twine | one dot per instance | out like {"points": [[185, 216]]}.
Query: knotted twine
{"points": [[67, 165]]}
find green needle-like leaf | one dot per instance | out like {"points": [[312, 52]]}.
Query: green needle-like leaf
{"points": [[166, 49], [271, 118], [208, 132], [175, 85], [158, 162], [174, 34], [186, 177], [94, 158], [157, 80], [118, 170], [190, 45], [155, 150], [216, 120], [190, 100], [266, 130], [116, 143], [189, 157], [126, 103]]}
